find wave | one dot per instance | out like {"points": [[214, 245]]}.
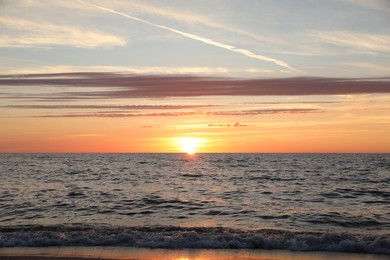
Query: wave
{"points": [[172, 237]]}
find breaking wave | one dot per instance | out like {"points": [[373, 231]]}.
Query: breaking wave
{"points": [[172, 237]]}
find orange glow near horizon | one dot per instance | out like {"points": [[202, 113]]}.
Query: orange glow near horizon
{"points": [[118, 135], [346, 127], [190, 145]]}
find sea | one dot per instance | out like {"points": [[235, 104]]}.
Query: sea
{"points": [[298, 202]]}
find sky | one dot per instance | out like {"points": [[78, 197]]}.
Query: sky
{"points": [[195, 76]]}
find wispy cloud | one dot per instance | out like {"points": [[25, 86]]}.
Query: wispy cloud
{"points": [[111, 85], [191, 113], [121, 107], [295, 102], [192, 18], [383, 5], [360, 41], [364, 66], [198, 38], [22, 32], [216, 125], [187, 126], [156, 70]]}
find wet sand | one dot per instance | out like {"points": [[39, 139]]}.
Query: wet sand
{"points": [[82, 253]]}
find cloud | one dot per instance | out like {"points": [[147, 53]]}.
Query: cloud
{"points": [[192, 18], [197, 37], [296, 102], [121, 107], [382, 5], [191, 113], [359, 67], [174, 127], [238, 124], [19, 32], [360, 41], [111, 86], [266, 111], [158, 70], [157, 127]]}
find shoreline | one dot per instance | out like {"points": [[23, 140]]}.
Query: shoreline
{"points": [[121, 253]]}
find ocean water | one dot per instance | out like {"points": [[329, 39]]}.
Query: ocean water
{"points": [[331, 202]]}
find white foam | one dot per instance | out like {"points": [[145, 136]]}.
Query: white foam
{"points": [[177, 237]]}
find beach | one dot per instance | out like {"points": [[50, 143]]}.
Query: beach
{"points": [[78, 253]]}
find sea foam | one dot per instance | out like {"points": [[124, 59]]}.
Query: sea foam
{"points": [[171, 237]]}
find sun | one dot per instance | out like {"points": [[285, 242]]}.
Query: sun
{"points": [[189, 145]]}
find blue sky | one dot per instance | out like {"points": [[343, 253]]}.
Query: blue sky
{"points": [[343, 38]]}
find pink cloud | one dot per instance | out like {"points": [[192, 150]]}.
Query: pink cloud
{"points": [[112, 85]]}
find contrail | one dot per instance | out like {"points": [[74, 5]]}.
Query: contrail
{"points": [[198, 38]]}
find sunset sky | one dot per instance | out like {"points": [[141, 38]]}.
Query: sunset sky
{"points": [[195, 76]]}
